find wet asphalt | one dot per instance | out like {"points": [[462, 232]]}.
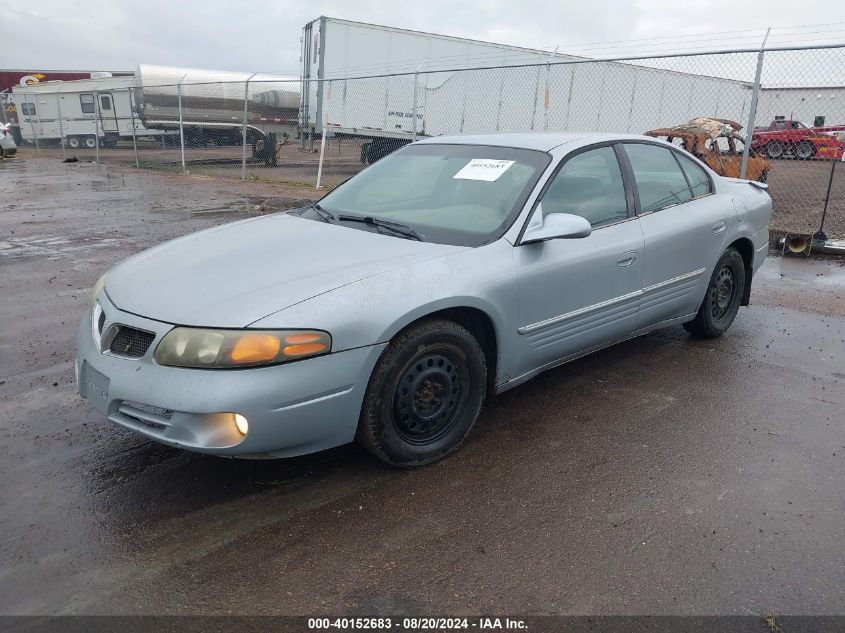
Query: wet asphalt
{"points": [[666, 475]]}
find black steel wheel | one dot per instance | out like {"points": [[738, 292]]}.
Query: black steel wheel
{"points": [[775, 149], [424, 395], [723, 298]]}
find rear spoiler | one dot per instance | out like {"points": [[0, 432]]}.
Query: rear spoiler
{"points": [[759, 185]]}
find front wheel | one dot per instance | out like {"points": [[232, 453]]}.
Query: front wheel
{"points": [[90, 142], [724, 294], [424, 395]]}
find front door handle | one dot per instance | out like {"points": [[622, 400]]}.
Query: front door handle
{"points": [[626, 259], [719, 227]]}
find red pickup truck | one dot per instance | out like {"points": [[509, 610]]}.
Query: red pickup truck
{"points": [[784, 136]]}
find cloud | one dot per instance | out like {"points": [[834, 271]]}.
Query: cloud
{"points": [[263, 35]]}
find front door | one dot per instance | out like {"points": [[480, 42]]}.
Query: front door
{"points": [[577, 294]]}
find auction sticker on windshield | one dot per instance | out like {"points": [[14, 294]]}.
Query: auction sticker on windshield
{"points": [[483, 169]]}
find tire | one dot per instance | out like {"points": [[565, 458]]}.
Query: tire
{"points": [[74, 142], [775, 149], [723, 297], [90, 141], [804, 150], [424, 395]]}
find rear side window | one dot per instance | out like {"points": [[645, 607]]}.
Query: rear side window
{"points": [[660, 181], [699, 181], [105, 102], [87, 103], [28, 109], [589, 185]]}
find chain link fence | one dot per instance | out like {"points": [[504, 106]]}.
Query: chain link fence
{"points": [[321, 132]]}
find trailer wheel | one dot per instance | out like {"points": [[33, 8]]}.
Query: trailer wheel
{"points": [[90, 141], [74, 142]]}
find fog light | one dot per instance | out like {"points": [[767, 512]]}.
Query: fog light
{"points": [[241, 423]]}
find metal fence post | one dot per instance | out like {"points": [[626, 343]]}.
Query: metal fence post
{"points": [[61, 126], [97, 126], [243, 140], [181, 126], [31, 124], [132, 114], [752, 111], [414, 107], [323, 141], [546, 91]]}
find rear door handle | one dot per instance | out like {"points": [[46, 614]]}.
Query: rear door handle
{"points": [[719, 227], [626, 259]]}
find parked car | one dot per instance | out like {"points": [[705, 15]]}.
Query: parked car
{"points": [[784, 136], [386, 312], [7, 143], [718, 143]]}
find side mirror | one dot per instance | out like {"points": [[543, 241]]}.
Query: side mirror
{"points": [[555, 226]]}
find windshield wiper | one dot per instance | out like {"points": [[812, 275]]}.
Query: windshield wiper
{"points": [[327, 216], [400, 229]]}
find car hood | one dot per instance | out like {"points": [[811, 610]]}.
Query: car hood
{"points": [[236, 274]]}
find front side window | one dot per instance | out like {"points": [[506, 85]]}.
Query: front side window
{"points": [[465, 195], [28, 109], [590, 185], [87, 103], [660, 181]]}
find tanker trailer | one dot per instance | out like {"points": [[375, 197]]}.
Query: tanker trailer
{"points": [[212, 104]]}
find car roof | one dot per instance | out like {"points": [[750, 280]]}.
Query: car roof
{"points": [[543, 141]]}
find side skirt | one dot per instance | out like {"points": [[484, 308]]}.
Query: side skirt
{"points": [[515, 382]]}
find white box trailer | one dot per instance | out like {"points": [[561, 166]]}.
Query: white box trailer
{"points": [[78, 111], [353, 97]]}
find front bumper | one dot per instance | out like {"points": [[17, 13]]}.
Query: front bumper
{"points": [[292, 409]]}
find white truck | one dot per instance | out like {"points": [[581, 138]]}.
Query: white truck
{"points": [[83, 111], [358, 81]]}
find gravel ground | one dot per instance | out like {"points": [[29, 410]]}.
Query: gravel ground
{"points": [[665, 475]]}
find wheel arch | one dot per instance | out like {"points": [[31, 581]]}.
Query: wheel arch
{"points": [[745, 247], [477, 319]]}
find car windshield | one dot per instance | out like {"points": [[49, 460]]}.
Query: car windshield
{"points": [[464, 195]]}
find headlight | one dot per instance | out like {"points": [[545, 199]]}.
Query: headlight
{"points": [[211, 349], [101, 282]]}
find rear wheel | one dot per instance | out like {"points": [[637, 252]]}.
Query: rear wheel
{"points": [[74, 142], [775, 149], [90, 142], [424, 395], [804, 150], [724, 294]]}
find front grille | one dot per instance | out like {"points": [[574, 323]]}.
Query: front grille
{"points": [[160, 412], [131, 342], [101, 321]]}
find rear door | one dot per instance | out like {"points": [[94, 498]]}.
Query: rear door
{"points": [[684, 224]]}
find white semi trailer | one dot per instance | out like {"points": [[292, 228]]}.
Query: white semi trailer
{"points": [[345, 91], [79, 111]]}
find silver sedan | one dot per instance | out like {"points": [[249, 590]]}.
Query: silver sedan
{"points": [[454, 268]]}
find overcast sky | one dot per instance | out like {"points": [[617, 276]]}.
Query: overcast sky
{"points": [[263, 35]]}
